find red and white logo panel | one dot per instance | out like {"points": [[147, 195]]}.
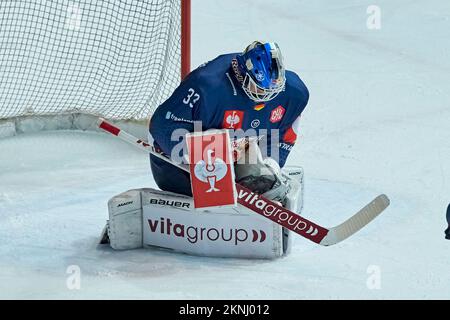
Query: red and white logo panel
{"points": [[211, 168], [291, 134], [232, 119], [277, 114]]}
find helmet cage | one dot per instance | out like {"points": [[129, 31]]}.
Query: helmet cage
{"points": [[258, 93]]}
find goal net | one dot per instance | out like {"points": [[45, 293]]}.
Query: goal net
{"points": [[118, 59]]}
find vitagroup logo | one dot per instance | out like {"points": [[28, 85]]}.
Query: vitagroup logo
{"points": [[277, 213], [196, 234]]}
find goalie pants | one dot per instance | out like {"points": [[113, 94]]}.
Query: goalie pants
{"points": [[169, 177]]}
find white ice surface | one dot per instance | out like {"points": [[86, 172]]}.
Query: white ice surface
{"points": [[377, 121]]}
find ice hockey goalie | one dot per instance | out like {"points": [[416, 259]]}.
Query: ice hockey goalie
{"points": [[247, 94]]}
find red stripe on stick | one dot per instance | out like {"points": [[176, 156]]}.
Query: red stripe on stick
{"points": [[110, 128]]}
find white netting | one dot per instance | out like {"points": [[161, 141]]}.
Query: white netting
{"points": [[115, 58]]}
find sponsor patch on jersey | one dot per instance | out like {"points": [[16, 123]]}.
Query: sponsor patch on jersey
{"points": [[277, 114], [171, 116], [232, 119], [259, 107], [255, 123]]}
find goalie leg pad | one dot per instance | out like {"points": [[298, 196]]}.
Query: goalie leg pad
{"points": [[147, 217], [124, 227], [152, 218]]}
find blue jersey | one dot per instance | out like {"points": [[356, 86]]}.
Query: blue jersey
{"points": [[213, 95]]}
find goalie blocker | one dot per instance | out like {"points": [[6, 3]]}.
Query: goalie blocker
{"points": [[153, 218]]}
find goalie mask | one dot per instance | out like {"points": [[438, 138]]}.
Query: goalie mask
{"points": [[262, 69]]}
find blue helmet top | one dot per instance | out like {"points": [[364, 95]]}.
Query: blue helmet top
{"points": [[262, 68]]}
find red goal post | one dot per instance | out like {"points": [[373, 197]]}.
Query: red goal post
{"points": [[185, 37]]}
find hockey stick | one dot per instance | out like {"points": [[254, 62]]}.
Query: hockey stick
{"points": [[447, 231], [271, 210]]}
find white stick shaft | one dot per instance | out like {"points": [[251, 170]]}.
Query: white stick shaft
{"points": [[136, 142]]}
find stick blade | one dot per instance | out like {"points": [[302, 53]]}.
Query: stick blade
{"points": [[357, 221]]}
